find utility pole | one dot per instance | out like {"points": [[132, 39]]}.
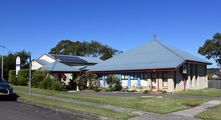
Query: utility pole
{"points": [[2, 72], [30, 75]]}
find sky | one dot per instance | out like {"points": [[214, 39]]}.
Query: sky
{"points": [[38, 25]]}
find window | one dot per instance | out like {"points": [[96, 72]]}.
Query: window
{"points": [[124, 77], [143, 76], [165, 79], [134, 76]]}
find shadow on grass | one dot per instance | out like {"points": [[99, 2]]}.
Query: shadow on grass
{"points": [[12, 97]]}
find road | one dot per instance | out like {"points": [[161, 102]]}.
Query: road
{"points": [[13, 110]]}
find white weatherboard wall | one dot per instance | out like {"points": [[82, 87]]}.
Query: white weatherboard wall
{"points": [[35, 65], [47, 58], [124, 83], [143, 83]]}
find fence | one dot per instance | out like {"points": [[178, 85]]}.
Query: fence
{"points": [[214, 84]]}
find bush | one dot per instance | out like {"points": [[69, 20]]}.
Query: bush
{"points": [[89, 78], [46, 83], [146, 91], [108, 89], [12, 77], [81, 82], [56, 85], [114, 83], [117, 86], [37, 77], [97, 88], [125, 89], [164, 92], [23, 76], [51, 84]]}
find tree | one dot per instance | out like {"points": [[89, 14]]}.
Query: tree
{"points": [[9, 61], [92, 48], [212, 48]]}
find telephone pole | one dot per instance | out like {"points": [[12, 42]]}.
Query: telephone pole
{"points": [[2, 72]]}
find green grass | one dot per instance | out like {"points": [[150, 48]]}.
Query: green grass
{"points": [[157, 105], [213, 113], [77, 107], [210, 92]]}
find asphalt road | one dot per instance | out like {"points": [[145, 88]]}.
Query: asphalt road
{"points": [[13, 110]]}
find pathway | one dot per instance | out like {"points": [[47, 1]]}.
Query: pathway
{"points": [[193, 111]]}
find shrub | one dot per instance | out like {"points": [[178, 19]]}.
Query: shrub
{"points": [[12, 77], [51, 84], [89, 79], [96, 89], [23, 77], [164, 91], [81, 82], [37, 77], [114, 83], [125, 89], [46, 83], [146, 91], [108, 89], [93, 81], [56, 85], [132, 90]]}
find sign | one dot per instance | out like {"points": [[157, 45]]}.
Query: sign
{"points": [[18, 65]]}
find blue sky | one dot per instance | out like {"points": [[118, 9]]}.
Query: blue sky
{"points": [[37, 25]]}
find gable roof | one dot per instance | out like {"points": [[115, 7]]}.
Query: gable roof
{"points": [[42, 62], [59, 67], [151, 55]]}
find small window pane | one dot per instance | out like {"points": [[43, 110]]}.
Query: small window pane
{"points": [[126, 76], [123, 77]]}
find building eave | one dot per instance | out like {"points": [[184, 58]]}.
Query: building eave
{"points": [[138, 70]]}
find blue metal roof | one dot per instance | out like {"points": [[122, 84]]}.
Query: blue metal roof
{"points": [[151, 55], [42, 62], [59, 67]]}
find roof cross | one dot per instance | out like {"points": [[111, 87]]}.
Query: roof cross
{"points": [[154, 36]]}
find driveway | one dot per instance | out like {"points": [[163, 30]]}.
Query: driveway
{"points": [[13, 110]]}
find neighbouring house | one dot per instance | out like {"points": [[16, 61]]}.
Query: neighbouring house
{"points": [[62, 67], [155, 66], [214, 74]]}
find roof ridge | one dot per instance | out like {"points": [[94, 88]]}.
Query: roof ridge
{"points": [[170, 50]]}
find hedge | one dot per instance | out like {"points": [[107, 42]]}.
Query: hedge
{"points": [[23, 77], [12, 77]]}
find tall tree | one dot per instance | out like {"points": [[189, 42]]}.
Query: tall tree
{"points": [[212, 48], [92, 48], [9, 61]]}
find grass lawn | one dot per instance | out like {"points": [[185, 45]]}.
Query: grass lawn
{"points": [[211, 92], [213, 113], [157, 105], [77, 107]]}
